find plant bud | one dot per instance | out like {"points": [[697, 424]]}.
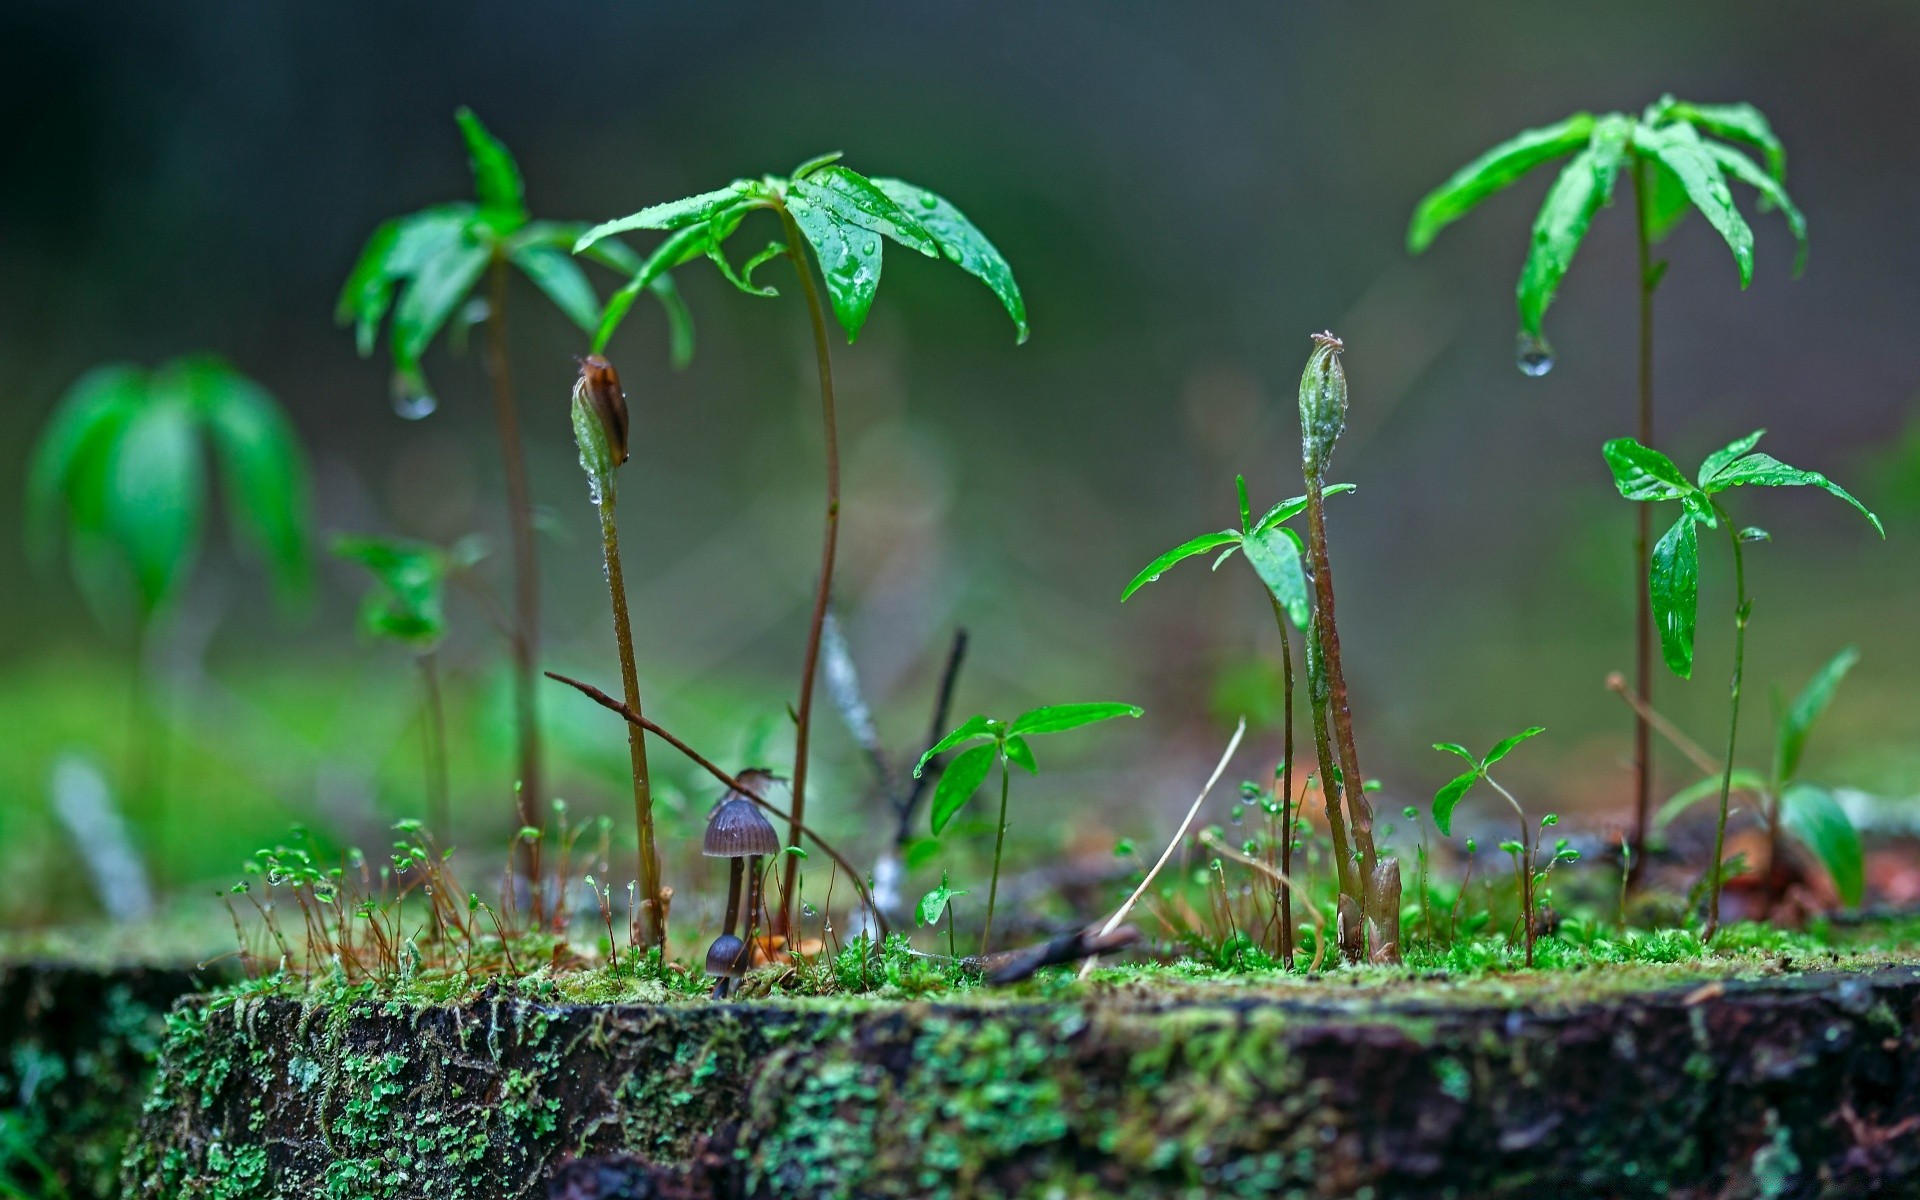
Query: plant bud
{"points": [[599, 419], [1323, 404]]}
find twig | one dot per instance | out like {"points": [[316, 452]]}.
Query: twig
{"points": [[1617, 684]]}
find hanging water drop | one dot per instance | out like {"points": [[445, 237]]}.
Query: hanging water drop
{"points": [[870, 249], [413, 405], [808, 910], [1533, 356]]}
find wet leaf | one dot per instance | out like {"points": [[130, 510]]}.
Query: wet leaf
{"points": [[1448, 798], [674, 214], [1673, 583], [1058, 718], [1507, 744], [554, 273], [1643, 473], [1764, 470], [439, 287], [1680, 149], [1738, 123], [849, 256], [1185, 550], [1584, 185], [959, 781], [1275, 556], [1492, 171], [977, 726], [962, 244], [1817, 821], [1772, 195]]}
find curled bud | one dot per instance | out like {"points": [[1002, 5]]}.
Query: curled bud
{"points": [[599, 419], [1323, 404]]}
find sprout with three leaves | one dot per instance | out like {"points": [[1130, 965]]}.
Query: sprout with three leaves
{"points": [[1673, 584], [421, 269], [1524, 851], [1003, 742], [1680, 159], [1274, 552], [845, 218]]}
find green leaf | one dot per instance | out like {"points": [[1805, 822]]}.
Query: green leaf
{"points": [[674, 214], [440, 286], [262, 471], [1773, 194], [1673, 583], [398, 250], [1058, 718], [1492, 171], [1667, 201], [849, 257], [156, 497], [1701, 789], [1583, 186], [407, 603], [1797, 721], [1507, 744], [1679, 147], [1275, 557], [1448, 798], [815, 163], [554, 273], [977, 726], [1716, 462], [1764, 470], [496, 177], [935, 902], [1739, 123], [1643, 473], [1020, 754], [1287, 510], [67, 475], [1815, 818], [682, 247], [961, 779], [1457, 748], [854, 199], [962, 244], [1246, 509], [1184, 550]]}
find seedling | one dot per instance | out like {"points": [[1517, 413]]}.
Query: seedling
{"points": [[935, 903], [1644, 474], [1806, 812], [407, 605], [434, 260], [1524, 851], [1674, 169], [1274, 552], [1003, 742], [844, 216], [122, 468]]}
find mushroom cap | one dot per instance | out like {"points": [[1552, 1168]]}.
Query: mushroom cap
{"points": [[738, 829], [727, 957]]}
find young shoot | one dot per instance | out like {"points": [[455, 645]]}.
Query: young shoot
{"points": [[936, 902], [845, 218], [1003, 742], [1523, 850], [1646, 475]]}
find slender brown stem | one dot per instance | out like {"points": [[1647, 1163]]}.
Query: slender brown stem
{"points": [[1741, 610], [1286, 782], [999, 840], [526, 577], [653, 898], [706, 764], [1643, 531], [1359, 808], [434, 724], [809, 666]]}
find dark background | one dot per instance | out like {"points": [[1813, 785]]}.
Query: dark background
{"points": [[1184, 191]]}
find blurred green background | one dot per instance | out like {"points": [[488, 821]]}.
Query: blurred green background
{"points": [[1184, 191]]}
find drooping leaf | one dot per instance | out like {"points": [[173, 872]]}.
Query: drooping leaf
{"points": [[1798, 719], [1492, 171], [1643, 473], [406, 603], [976, 726], [554, 273], [962, 244], [1716, 462], [156, 496], [399, 249], [674, 214], [1739, 123], [849, 256], [1448, 798], [262, 470], [496, 177], [934, 903], [1816, 820], [1764, 470], [1673, 582], [1582, 188], [1701, 789], [67, 475], [1020, 754], [961, 779], [1274, 555], [1506, 745], [1679, 147], [1058, 718], [1185, 550], [1772, 194], [854, 199], [684, 246], [1667, 201], [440, 287]]}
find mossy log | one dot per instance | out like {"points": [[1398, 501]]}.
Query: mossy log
{"points": [[1803, 1084], [77, 1045]]}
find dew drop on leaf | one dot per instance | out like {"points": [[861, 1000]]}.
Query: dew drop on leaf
{"points": [[412, 402], [870, 248], [927, 200], [808, 910], [1533, 356]]}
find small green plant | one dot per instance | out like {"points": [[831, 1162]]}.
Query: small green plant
{"points": [[1673, 586], [407, 605], [1528, 872], [1274, 552], [423, 268], [1676, 165], [845, 217], [121, 468], [1806, 812], [1003, 742], [936, 902]]}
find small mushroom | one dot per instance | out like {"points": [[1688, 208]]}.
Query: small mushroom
{"points": [[740, 831], [726, 961]]}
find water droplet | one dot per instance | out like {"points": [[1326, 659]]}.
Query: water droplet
{"points": [[1533, 356], [870, 248], [413, 403], [808, 910], [1236, 814], [1153, 579], [927, 200], [952, 253]]}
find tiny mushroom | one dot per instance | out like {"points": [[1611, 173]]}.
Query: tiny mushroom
{"points": [[726, 961], [740, 831]]}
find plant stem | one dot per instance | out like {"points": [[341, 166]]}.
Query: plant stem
{"points": [[1643, 528], [1359, 808], [1741, 611], [1526, 867], [526, 576], [999, 840], [1286, 782], [652, 897], [434, 723], [1330, 790], [809, 666]]}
